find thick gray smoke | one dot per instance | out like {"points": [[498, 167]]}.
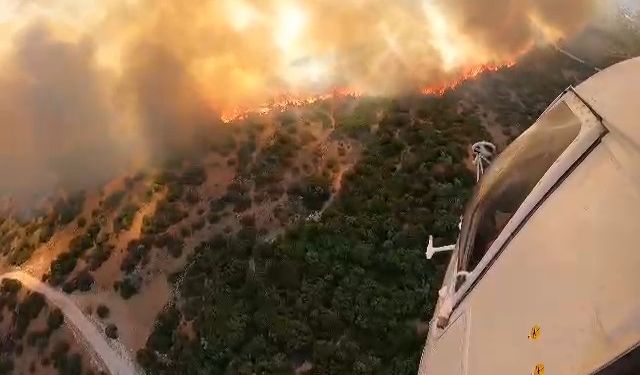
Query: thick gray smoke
{"points": [[170, 109], [508, 26], [89, 88], [58, 128]]}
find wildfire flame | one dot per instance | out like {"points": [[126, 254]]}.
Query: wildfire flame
{"points": [[285, 101], [467, 74], [289, 100]]}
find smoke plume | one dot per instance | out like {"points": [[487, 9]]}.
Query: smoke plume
{"points": [[89, 87], [58, 128]]}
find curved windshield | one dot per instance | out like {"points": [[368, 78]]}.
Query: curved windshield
{"points": [[510, 179]]}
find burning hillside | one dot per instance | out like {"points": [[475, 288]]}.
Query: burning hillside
{"points": [[283, 102], [467, 74]]}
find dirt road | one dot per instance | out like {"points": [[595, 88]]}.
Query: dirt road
{"points": [[116, 361]]}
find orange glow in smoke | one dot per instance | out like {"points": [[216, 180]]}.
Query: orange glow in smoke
{"points": [[284, 101]]}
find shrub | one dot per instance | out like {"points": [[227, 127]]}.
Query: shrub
{"points": [[192, 196], [80, 243], [198, 224], [113, 200], [175, 247], [248, 221], [103, 311], [22, 254], [173, 277], [194, 176], [68, 209], [70, 286], [164, 178], [287, 118], [98, 256], [128, 288], [213, 217], [284, 274], [148, 195], [216, 205], [111, 331], [46, 232], [314, 192], [166, 214], [162, 337], [185, 231], [145, 357], [275, 192], [124, 220], [71, 365], [31, 306], [6, 366], [84, 280], [306, 137], [28, 310], [175, 191], [242, 204], [59, 352], [63, 265], [40, 338], [137, 250], [10, 286], [82, 221], [55, 319]]}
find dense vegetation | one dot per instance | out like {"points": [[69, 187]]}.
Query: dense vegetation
{"points": [[20, 334], [344, 293], [348, 293]]}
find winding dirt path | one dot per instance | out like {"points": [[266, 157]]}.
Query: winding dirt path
{"points": [[117, 362]]}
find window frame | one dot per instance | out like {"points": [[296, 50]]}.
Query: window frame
{"points": [[510, 179], [591, 131]]}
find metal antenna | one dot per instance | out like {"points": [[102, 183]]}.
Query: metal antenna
{"points": [[483, 153], [432, 250]]}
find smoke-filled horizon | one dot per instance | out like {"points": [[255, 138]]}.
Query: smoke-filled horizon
{"points": [[90, 87]]}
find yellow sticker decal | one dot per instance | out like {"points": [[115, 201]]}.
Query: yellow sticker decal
{"points": [[539, 369], [534, 333]]}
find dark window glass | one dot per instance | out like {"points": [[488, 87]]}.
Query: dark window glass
{"points": [[628, 364], [510, 179]]}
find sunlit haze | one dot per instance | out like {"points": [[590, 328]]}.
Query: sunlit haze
{"points": [[257, 49], [142, 75]]}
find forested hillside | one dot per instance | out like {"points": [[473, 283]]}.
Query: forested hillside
{"points": [[349, 291]]}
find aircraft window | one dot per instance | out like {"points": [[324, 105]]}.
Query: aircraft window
{"points": [[628, 364], [510, 179]]}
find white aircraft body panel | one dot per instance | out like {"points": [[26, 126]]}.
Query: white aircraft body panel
{"points": [[558, 291], [573, 271]]}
